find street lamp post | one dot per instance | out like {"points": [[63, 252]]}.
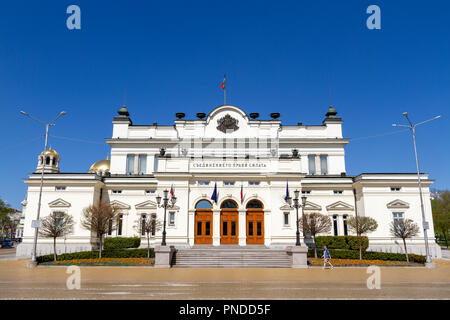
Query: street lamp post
{"points": [[165, 204], [412, 127], [47, 125], [296, 206]]}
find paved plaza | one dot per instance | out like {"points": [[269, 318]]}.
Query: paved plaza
{"points": [[45, 282]]}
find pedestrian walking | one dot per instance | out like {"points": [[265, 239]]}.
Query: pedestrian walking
{"points": [[326, 258]]}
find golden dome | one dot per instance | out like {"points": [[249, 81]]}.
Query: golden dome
{"points": [[100, 166], [50, 152]]}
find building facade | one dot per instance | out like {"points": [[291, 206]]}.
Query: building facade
{"points": [[248, 163]]}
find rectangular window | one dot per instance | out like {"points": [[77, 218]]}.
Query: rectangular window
{"points": [[254, 183], [335, 225], [130, 164], [203, 183], [258, 228], [207, 228], [228, 183], [119, 224], [117, 191], [199, 228], [337, 191], [233, 228], [398, 217], [286, 219], [345, 225], [150, 191], [250, 228], [324, 164], [395, 189], [153, 224], [312, 164], [61, 188], [306, 191], [224, 228], [110, 223], [171, 218], [142, 164], [143, 217]]}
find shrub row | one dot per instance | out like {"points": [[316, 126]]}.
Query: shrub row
{"points": [[127, 253], [369, 255], [121, 243], [342, 242]]}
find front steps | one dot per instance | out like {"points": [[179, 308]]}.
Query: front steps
{"points": [[231, 257]]}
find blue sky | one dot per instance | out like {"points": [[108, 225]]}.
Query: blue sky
{"points": [[170, 56]]}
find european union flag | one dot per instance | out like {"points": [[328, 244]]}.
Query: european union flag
{"points": [[287, 191], [214, 195]]}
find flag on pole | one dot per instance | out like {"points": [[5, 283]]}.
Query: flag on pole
{"points": [[214, 194], [242, 194], [222, 86], [287, 191], [172, 190]]}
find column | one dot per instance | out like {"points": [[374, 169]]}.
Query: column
{"points": [[191, 227], [242, 227], [267, 228], [216, 227]]}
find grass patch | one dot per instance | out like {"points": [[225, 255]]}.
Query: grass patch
{"points": [[361, 263], [104, 262]]}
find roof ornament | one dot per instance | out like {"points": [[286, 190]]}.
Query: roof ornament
{"points": [[227, 124]]}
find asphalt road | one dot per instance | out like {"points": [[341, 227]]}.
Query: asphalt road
{"points": [[19, 282]]}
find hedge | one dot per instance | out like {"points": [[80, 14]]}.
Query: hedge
{"points": [[342, 242], [369, 255], [125, 253], [121, 243]]}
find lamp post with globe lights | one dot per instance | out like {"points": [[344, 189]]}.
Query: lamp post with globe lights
{"points": [[297, 205], [165, 204]]}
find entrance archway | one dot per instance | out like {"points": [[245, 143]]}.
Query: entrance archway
{"points": [[229, 222], [203, 222], [255, 222]]}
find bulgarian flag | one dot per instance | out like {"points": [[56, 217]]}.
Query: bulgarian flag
{"points": [[222, 86], [172, 190], [242, 194]]}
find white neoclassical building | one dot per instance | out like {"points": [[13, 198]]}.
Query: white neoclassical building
{"points": [[250, 161]]}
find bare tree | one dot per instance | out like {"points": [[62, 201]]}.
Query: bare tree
{"points": [[404, 229], [98, 218], [55, 225], [315, 223], [147, 225], [361, 226]]}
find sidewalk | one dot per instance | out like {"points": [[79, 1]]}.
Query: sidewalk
{"points": [[18, 282]]}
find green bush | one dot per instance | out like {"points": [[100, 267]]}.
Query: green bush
{"points": [[369, 255], [121, 243], [342, 242], [125, 253]]}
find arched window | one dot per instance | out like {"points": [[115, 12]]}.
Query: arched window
{"points": [[254, 204], [47, 160], [228, 204], [203, 204]]}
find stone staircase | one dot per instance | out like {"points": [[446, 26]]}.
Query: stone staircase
{"points": [[231, 257]]}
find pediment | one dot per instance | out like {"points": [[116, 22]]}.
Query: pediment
{"points": [[146, 205], [119, 204], [339, 205], [286, 208], [59, 203], [398, 204], [312, 206]]}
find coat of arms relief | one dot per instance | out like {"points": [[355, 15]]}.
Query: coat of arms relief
{"points": [[227, 124]]}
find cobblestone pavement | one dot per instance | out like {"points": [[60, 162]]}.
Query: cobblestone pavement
{"points": [[19, 282]]}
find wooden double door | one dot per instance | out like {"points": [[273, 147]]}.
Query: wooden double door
{"points": [[203, 227], [255, 226], [229, 226]]}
